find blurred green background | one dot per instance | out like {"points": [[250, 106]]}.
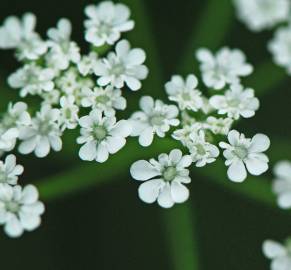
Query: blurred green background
{"points": [[104, 225]]}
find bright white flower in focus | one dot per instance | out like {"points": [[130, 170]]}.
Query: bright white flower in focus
{"points": [[282, 183], [278, 253], [280, 47], [32, 79], [164, 178], [244, 154], [184, 92], [236, 102], [101, 136], [68, 113], [20, 209], [9, 170], [106, 22], [225, 67], [87, 63], [155, 118], [43, 134], [125, 66], [218, 125], [262, 14]]}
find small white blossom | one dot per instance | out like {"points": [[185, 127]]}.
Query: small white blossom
{"points": [[278, 253], [101, 136], [9, 170], [68, 113], [183, 134], [155, 118], [87, 63], [236, 102], [262, 14], [122, 67], [185, 92], [43, 134], [20, 209], [164, 178], [106, 22], [218, 125], [225, 67], [282, 183], [243, 153], [51, 98], [32, 79]]}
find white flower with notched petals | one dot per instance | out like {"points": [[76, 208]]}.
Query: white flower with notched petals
{"points": [[20, 209], [9, 170], [106, 22], [101, 136], [282, 183], [236, 102], [244, 154], [164, 178], [218, 125], [125, 66], [280, 47], [68, 113], [155, 118], [87, 63], [262, 14], [184, 92], [202, 152], [183, 134], [225, 67], [15, 118], [62, 51], [32, 79], [20, 35], [43, 134], [278, 253]]}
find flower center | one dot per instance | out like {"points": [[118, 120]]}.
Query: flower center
{"points": [[241, 152], [12, 206], [200, 149], [117, 69], [169, 174], [233, 102], [157, 120], [2, 177], [100, 133], [44, 128], [102, 99]]}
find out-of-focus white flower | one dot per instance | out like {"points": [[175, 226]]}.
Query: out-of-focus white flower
{"points": [[155, 118], [184, 92], [20, 209], [244, 154], [9, 170], [19, 34], [262, 14], [106, 22], [104, 99], [236, 102], [280, 47], [164, 178], [282, 183], [101, 136], [225, 67], [32, 79], [51, 98], [43, 134], [125, 66], [68, 113], [218, 125], [183, 134], [278, 253], [87, 63]]}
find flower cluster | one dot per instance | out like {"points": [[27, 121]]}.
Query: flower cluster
{"points": [[199, 121], [74, 91]]}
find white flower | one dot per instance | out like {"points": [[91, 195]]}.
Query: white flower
{"points": [[202, 152], [87, 63], [164, 178], [243, 153], [101, 136], [51, 98], [236, 102], [262, 14], [225, 67], [19, 209], [282, 183], [68, 113], [183, 134], [62, 51], [32, 79], [123, 66], [278, 253], [20, 35], [43, 134], [106, 22], [185, 92], [280, 47], [155, 118], [9, 171], [15, 118], [104, 99], [218, 125]]}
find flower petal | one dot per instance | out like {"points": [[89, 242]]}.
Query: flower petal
{"points": [[142, 170]]}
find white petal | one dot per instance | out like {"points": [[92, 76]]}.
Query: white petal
{"points": [[115, 144], [149, 191], [147, 136], [256, 166], [165, 199], [272, 249], [259, 143], [179, 192], [284, 200], [29, 194], [42, 149], [237, 171], [13, 228], [102, 153], [142, 170], [29, 222], [88, 151], [175, 155]]}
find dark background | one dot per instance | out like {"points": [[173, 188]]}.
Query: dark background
{"points": [[109, 227]]}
